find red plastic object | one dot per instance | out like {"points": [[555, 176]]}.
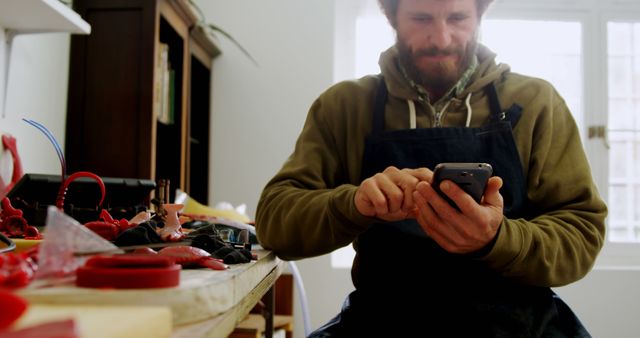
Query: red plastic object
{"points": [[108, 231], [59, 329], [189, 255], [212, 263], [14, 226], [129, 271], [8, 209], [108, 228], [9, 143], [16, 270], [13, 307], [129, 261], [184, 254], [144, 251], [65, 184], [32, 233]]}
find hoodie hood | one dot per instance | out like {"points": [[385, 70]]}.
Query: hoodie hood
{"points": [[398, 86]]}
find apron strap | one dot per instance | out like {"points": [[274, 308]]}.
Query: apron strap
{"points": [[494, 102], [378, 108], [512, 115]]}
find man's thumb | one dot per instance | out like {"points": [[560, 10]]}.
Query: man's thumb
{"points": [[492, 191]]}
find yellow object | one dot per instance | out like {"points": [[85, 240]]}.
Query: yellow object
{"points": [[104, 321], [25, 244], [192, 206]]}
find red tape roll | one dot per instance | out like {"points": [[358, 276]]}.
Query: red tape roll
{"points": [[128, 272], [128, 278]]}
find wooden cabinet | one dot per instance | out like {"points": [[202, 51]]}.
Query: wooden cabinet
{"points": [[112, 124]]}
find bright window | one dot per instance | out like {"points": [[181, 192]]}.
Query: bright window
{"points": [[557, 60], [624, 130], [373, 35]]}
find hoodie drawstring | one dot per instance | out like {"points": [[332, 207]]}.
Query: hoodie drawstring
{"points": [[469, 111], [412, 112]]}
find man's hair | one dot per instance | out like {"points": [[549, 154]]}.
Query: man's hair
{"points": [[390, 8]]}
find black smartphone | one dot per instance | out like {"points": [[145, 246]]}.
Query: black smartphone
{"points": [[471, 177]]}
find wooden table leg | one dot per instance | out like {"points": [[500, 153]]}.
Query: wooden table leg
{"points": [[267, 312]]}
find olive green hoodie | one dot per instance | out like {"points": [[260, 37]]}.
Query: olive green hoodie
{"points": [[308, 208]]}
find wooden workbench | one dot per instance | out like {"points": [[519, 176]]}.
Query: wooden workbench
{"points": [[207, 303]]}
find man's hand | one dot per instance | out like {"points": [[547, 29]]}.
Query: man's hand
{"points": [[389, 195], [464, 231]]}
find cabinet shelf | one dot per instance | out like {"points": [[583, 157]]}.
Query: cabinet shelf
{"points": [[40, 16], [29, 17]]}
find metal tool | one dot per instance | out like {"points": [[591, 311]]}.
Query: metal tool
{"points": [[11, 245], [131, 247]]}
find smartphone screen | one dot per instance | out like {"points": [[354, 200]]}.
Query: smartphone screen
{"points": [[471, 177]]}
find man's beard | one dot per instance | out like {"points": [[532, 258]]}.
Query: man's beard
{"points": [[439, 76]]}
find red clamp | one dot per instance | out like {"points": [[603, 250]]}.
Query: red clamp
{"points": [[9, 143], [13, 224]]}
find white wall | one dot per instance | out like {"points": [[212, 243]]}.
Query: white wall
{"points": [[37, 90], [258, 113], [607, 301], [259, 110]]}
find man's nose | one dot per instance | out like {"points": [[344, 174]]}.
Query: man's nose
{"points": [[440, 35]]}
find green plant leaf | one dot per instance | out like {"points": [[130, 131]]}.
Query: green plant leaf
{"points": [[228, 36], [213, 28]]}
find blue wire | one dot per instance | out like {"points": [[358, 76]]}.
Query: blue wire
{"points": [[53, 140], [49, 135]]}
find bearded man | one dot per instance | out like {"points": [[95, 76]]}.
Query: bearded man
{"points": [[361, 173]]}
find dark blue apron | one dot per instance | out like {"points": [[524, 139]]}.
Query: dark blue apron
{"points": [[407, 285]]}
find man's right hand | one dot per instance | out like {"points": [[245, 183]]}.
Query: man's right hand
{"points": [[389, 195]]}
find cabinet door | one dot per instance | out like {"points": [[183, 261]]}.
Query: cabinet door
{"points": [[110, 124]]}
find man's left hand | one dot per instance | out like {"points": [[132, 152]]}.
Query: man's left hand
{"points": [[466, 230]]}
